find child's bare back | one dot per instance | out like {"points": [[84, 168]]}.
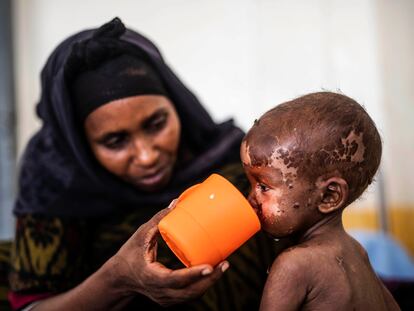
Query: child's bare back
{"points": [[306, 161]]}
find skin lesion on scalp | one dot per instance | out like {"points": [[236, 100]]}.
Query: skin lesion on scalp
{"points": [[349, 149], [292, 162], [261, 150], [283, 159], [271, 155], [357, 147]]}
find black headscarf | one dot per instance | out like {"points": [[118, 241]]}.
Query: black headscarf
{"points": [[123, 76], [59, 175]]}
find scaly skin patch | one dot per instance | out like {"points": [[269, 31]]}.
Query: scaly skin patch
{"points": [[355, 140], [350, 149], [281, 159]]}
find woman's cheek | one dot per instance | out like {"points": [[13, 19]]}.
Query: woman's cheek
{"points": [[115, 161], [168, 139]]}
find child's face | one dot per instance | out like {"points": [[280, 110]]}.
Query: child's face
{"points": [[284, 202]]}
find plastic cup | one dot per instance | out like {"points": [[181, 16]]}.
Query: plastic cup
{"points": [[210, 221]]}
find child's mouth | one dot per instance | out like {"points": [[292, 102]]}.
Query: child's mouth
{"points": [[258, 210]]}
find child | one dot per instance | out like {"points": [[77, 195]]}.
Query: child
{"points": [[307, 160]]}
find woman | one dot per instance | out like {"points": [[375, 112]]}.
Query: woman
{"points": [[121, 138]]}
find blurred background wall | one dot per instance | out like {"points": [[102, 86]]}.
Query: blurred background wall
{"points": [[7, 121], [242, 57]]}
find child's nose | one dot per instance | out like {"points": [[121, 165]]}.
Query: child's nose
{"points": [[252, 200]]}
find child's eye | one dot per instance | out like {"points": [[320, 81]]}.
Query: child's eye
{"points": [[263, 187]]}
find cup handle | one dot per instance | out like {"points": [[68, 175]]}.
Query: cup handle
{"points": [[187, 192]]}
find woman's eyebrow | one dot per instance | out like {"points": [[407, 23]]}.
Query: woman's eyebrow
{"points": [[147, 120]]}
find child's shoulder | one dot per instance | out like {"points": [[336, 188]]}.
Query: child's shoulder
{"points": [[303, 258], [289, 277], [294, 259]]}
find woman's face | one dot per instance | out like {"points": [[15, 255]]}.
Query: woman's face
{"points": [[136, 138]]}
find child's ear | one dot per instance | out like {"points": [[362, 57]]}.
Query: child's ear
{"points": [[334, 194]]}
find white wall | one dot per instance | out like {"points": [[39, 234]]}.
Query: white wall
{"points": [[396, 26], [244, 56]]}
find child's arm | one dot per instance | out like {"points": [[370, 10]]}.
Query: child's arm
{"points": [[286, 284]]}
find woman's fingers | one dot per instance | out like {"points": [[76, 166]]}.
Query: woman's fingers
{"points": [[150, 227], [173, 204], [150, 254], [151, 232], [200, 287], [142, 245], [163, 285], [186, 277], [189, 283]]}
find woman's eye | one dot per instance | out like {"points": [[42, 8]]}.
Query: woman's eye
{"points": [[156, 124], [263, 187], [115, 142]]}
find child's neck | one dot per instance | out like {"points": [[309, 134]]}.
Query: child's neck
{"points": [[326, 226]]}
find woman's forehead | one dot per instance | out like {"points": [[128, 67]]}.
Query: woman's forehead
{"points": [[119, 113]]}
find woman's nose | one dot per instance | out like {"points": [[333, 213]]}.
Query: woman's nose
{"points": [[144, 154]]}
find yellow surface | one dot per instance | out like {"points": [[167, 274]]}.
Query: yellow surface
{"points": [[400, 222]]}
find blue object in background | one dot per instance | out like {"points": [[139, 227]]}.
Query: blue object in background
{"points": [[388, 258]]}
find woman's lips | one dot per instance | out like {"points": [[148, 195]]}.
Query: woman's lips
{"points": [[153, 179]]}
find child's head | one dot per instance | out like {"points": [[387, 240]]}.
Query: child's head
{"points": [[308, 158]]}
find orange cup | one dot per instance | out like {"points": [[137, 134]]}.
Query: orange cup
{"points": [[210, 221]]}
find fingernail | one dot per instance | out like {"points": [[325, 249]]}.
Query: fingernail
{"points": [[224, 266], [172, 203], [206, 271]]}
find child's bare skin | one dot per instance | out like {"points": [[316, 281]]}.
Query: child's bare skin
{"points": [[306, 161]]}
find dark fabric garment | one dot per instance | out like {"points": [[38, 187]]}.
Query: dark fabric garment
{"points": [[104, 68], [121, 77], [51, 255], [5, 247], [59, 175]]}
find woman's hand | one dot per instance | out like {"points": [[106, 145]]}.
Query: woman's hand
{"points": [[132, 270], [136, 267]]}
